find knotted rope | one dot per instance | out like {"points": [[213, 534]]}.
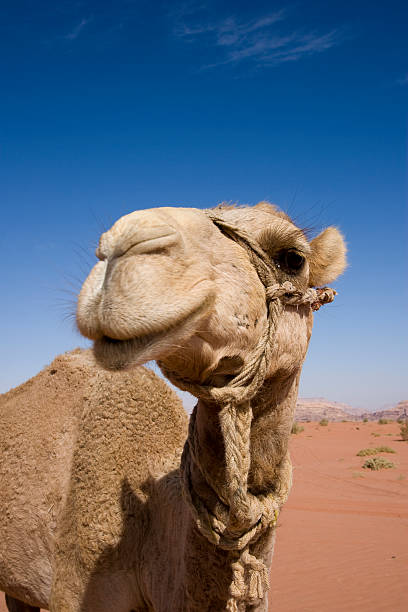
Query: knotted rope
{"points": [[238, 516]]}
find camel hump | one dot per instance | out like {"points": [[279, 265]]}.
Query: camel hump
{"points": [[73, 398]]}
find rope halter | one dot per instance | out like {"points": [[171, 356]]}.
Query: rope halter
{"points": [[239, 517]]}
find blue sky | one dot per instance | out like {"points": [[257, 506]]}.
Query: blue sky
{"points": [[111, 107]]}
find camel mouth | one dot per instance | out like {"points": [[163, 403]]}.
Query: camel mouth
{"points": [[116, 354], [109, 340]]}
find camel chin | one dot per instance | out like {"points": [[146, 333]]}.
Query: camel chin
{"points": [[114, 354]]}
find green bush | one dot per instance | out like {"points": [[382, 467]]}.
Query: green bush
{"points": [[365, 420], [296, 428], [378, 463], [324, 422], [384, 421], [404, 430]]}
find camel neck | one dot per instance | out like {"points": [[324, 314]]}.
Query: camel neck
{"points": [[273, 409]]}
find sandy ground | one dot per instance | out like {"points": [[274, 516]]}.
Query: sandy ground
{"points": [[342, 539]]}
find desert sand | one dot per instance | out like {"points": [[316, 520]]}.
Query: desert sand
{"points": [[342, 538]]}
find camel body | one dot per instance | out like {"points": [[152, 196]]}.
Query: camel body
{"points": [[98, 483], [96, 510]]}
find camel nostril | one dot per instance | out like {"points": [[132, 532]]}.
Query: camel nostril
{"points": [[152, 241], [136, 241]]}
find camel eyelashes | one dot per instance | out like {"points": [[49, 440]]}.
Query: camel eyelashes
{"points": [[290, 261]]}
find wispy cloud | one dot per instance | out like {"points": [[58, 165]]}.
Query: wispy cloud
{"points": [[228, 31], [403, 80], [266, 40], [73, 34]]}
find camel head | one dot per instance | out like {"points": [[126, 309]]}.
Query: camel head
{"points": [[172, 286]]}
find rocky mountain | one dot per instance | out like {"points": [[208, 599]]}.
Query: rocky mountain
{"points": [[400, 411], [317, 408]]}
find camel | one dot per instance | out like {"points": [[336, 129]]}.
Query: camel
{"points": [[108, 503]]}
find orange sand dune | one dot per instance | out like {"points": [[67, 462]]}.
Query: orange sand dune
{"points": [[342, 537]]}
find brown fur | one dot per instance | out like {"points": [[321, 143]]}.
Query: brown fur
{"points": [[92, 515], [76, 435]]}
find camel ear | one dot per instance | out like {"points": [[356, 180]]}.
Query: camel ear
{"points": [[328, 257]]}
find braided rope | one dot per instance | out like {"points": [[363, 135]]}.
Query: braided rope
{"points": [[239, 517]]}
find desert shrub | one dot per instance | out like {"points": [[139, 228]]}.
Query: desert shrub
{"points": [[366, 451], [373, 451], [404, 430], [365, 420], [375, 434], [296, 428], [384, 421], [324, 422], [378, 463]]}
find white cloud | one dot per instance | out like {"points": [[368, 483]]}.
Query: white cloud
{"points": [[259, 40], [77, 30]]}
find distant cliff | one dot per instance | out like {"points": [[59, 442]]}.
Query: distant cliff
{"points": [[317, 408], [400, 411]]}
